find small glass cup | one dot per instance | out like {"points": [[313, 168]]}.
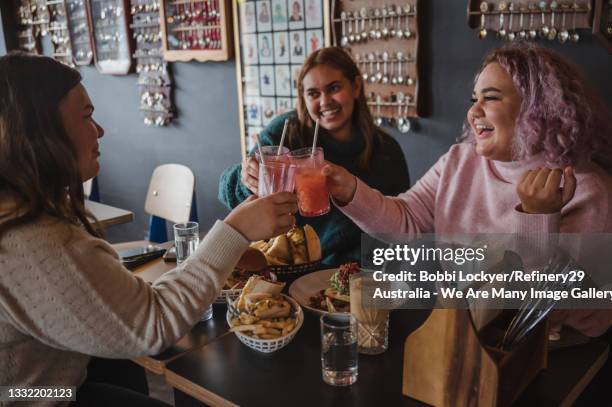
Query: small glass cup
{"points": [[310, 182], [186, 240], [275, 176], [373, 321], [339, 359]]}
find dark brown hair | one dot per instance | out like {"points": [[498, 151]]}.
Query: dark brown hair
{"points": [[337, 58], [38, 161]]}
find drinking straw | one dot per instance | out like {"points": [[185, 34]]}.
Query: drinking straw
{"points": [[314, 140], [261, 157], [282, 140]]}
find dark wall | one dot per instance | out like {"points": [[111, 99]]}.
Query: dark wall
{"points": [[206, 136]]}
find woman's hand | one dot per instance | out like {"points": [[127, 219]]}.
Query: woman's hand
{"points": [[540, 190], [341, 183], [263, 218], [249, 175], [590, 322]]}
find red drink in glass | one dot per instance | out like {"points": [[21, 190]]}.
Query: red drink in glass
{"points": [[310, 183]]}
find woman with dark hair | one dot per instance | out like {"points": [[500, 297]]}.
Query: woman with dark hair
{"points": [[330, 89], [535, 158], [64, 294]]}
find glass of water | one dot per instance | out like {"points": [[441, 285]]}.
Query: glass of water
{"points": [[339, 349], [186, 240]]}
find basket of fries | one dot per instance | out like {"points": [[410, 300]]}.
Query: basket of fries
{"points": [[262, 318]]}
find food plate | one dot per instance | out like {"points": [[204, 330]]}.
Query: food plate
{"points": [[309, 285]]}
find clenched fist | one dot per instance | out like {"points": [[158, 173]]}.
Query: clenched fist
{"points": [[341, 183], [540, 190]]}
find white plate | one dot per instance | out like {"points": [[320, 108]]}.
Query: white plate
{"points": [[309, 285]]}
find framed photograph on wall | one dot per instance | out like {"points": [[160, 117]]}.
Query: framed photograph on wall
{"points": [[272, 39]]}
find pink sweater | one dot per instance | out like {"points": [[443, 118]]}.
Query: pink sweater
{"points": [[466, 193]]}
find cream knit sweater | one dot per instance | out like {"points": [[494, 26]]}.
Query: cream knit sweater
{"points": [[64, 295]]}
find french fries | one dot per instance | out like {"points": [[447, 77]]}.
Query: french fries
{"points": [[265, 325], [263, 328]]}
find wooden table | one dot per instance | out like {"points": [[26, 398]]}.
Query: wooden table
{"points": [[108, 215], [225, 372], [201, 334]]}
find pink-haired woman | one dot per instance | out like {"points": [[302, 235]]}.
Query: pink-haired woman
{"points": [[535, 158]]}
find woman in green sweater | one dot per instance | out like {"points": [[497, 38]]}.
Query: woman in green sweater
{"points": [[330, 89]]}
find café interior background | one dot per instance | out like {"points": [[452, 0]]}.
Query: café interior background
{"points": [[206, 135]]}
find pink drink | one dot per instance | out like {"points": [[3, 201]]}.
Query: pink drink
{"points": [[310, 183], [276, 176], [276, 172]]}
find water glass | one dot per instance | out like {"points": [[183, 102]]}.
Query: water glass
{"points": [[310, 182], [339, 362], [275, 176], [186, 240], [372, 321]]}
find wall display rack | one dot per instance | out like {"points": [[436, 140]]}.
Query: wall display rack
{"points": [[273, 39], [58, 31], [196, 30], [549, 20], [383, 39], [602, 23], [111, 40], [154, 80], [32, 22], [80, 31]]}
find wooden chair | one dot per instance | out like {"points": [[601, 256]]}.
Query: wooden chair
{"points": [[171, 196]]}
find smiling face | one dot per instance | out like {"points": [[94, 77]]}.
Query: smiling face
{"points": [[330, 97], [76, 112], [492, 117]]}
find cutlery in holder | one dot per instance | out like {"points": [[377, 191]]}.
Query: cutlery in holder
{"points": [[448, 362]]}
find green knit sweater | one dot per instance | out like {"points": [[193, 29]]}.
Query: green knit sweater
{"points": [[340, 237]]}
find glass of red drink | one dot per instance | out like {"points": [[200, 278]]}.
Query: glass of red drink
{"points": [[310, 182]]}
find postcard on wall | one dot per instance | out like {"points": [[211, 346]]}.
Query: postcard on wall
{"points": [[253, 114], [251, 80], [283, 80], [268, 110], [279, 15], [281, 47], [249, 49], [298, 51], [314, 14], [266, 53], [266, 80], [314, 40], [296, 14], [248, 17], [264, 17]]}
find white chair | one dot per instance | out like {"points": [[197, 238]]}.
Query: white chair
{"points": [[170, 197]]}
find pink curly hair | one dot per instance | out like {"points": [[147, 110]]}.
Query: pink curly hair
{"points": [[560, 115]]}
